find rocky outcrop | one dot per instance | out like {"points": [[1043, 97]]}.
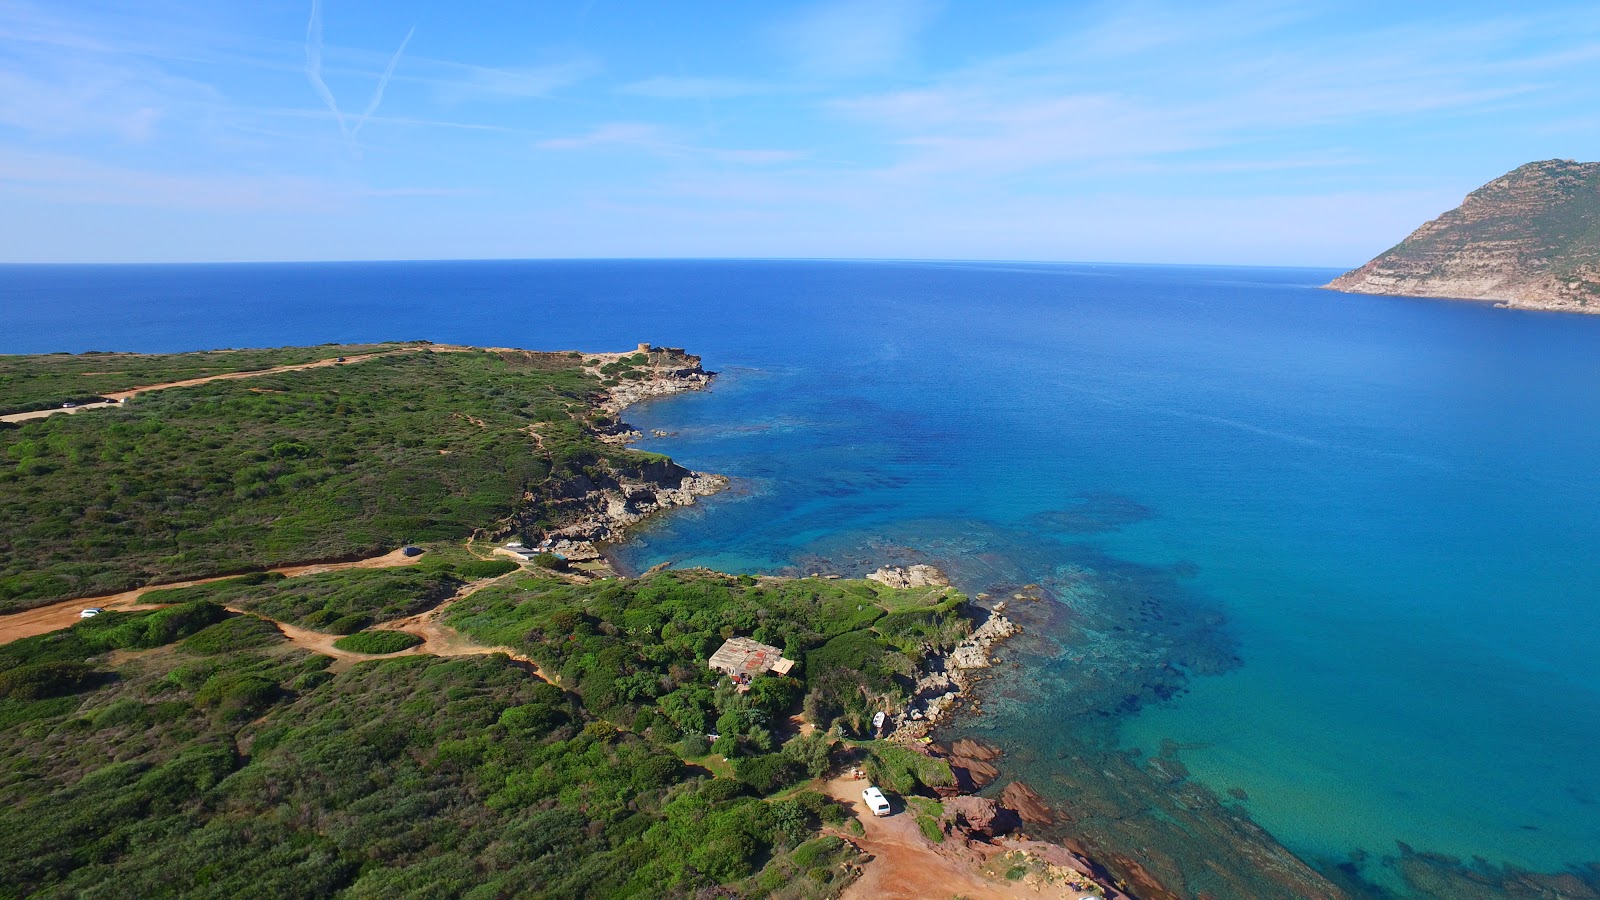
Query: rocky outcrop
{"points": [[598, 507], [978, 817], [612, 508], [1529, 239], [645, 374], [910, 577], [1027, 803], [945, 679]]}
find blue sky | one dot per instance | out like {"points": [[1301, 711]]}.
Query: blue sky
{"points": [[1254, 133]]}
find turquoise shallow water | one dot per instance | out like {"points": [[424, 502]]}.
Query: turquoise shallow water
{"points": [[1370, 522]]}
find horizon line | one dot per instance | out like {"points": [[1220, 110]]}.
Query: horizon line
{"points": [[560, 259]]}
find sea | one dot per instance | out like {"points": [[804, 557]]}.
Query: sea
{"points": [[1326, 564]]}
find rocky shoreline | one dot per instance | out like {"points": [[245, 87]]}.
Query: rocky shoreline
{"points": [[983, 833], [600, 509]]}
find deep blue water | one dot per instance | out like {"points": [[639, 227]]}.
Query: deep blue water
{"points": [[1391, 505]]}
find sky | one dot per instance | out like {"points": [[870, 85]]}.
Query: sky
{"points": [[1257, 133]]}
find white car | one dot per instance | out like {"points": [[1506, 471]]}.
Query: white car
{"points": [[876, 801], [90, 613]]}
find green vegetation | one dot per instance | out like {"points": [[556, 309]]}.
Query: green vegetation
{"points": [[905, 771], [333, 602], [241, 766], [340, 461], [377, 642], [192, 750], [636, 650], [49, 380]]}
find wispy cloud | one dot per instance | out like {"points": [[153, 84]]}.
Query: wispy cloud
{"points": [[850, 38], [629, 134], [685, 88], [665, 142]]}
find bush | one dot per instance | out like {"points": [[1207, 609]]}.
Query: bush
{"points": [[47, 679], [237, 696], [550, 561], [349, 624], [377, 642], [767, 773], [904, 771], [485, 568], [536, 717], [814, 851], [235, 633]]}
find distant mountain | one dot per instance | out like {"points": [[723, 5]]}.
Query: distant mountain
{"points": [[1529, 239]]}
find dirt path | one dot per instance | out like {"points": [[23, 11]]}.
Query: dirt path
{"points": [[118, 396], [905, 866], [439, 639], [57, 616]]}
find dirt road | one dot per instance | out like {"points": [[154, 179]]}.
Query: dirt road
{"points": [[57, 616], [118, 396]]}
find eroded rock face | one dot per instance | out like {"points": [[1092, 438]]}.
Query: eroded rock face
{"points": [[1527, 239]]}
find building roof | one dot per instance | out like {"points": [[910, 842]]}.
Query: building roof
{"points": [[744, 656]]}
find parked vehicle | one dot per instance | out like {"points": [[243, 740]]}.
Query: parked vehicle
{"points": [[876, 801], [90, 613]]}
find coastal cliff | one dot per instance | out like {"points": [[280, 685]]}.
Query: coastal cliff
{"points": [[598, 505], [1529, 239]]}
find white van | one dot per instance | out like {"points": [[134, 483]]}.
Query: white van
{"points": [[876, 801]]}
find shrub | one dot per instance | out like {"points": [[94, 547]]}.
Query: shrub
{"points": [[235, 695], [767, 773], [904, 771], [235, 633], [349, 624], [485, 568], [47, 679], [537, 717], [377, 642], [816, 850], [549, 561]]}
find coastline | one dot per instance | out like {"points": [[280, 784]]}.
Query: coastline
{"points": [[663, 485], [603, 511]]}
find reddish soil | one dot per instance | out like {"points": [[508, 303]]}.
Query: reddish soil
{"points": [[906, 866]]}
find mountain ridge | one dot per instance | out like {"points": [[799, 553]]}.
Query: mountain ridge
{"points": [[1529, 239]]}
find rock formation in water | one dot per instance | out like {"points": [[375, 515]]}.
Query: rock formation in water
{"points": [[1529, 239]]}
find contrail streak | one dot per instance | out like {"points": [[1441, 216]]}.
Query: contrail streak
{"points": [[314, 75], [383, 82], [314, 65]]}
